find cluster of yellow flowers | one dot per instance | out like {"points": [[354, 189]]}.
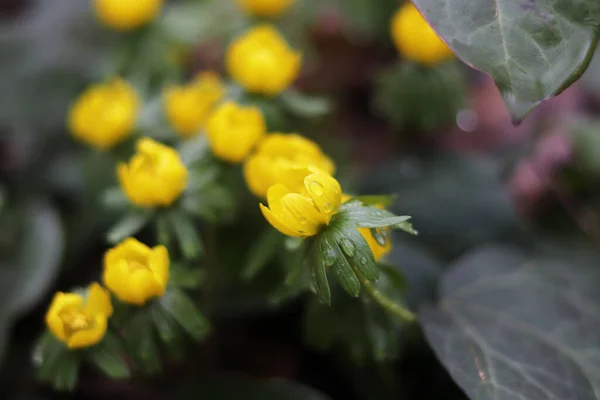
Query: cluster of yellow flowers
{"points": [[133, 272]]}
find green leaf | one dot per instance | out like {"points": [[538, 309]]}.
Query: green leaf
{"points": [[107, 356], [65, 371], [363, 216], [47, 354], [512, 325], [355, 249], [114, 198], [318, 265], [533, 50], [305, 106], [382, 200], [169, 331], [139, 336], [185, 277], [340, 267], [179, 306], [187, 235], [129, 225], [261, 252]]}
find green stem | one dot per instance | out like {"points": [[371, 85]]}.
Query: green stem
{"points": [[380, 298]]}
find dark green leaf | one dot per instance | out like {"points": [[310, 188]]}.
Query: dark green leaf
{"points": [[533, 49], [356, 250], [114, 198], [513, 326], [185, 276], [139, 336], [187, 235], [318, 266], [129, 225], [305, 106], [46, 357], [364, 216], [107, 356], [340, 268], [64, 375], [261, 252], [180, 307], [169, 331]]}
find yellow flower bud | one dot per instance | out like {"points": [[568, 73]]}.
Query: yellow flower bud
{"points": [[187, 107], [233, 131], [415, 39], [155, 175], [304, 213], [378, 250], [265, 8], [282, 158], [135, 273], [262, 62], [77, 321], [125, 15], [105, 114]]}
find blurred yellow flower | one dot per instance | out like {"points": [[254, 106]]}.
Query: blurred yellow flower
{"points": [[377, 249], [187, 107], [155, 175], [283, 158], [265, 8], [262, 62], [125, 15], [415, 39], [233, 131], [105, 114], [77, 321], [135, 272], [303, 214]]}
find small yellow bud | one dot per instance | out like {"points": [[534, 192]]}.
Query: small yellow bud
{"points": [[304, 213], [77, 321], [265, 8], [125, 15], [105, 114], [135, 272], [155, 175], [262, 62], [282, 158], [378, 250], [187, 107], [415, 39], [233, 131]]}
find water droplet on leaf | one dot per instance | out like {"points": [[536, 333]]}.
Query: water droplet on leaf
{"points": [[347, 247], [315, 188], [329, 257], [363, 260], [380, 236]]}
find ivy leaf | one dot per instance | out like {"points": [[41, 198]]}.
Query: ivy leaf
{"points": [[513, 326], [532, 49]]}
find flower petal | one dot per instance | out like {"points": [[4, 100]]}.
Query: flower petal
{"points": [[60, 301], [91, 336], [300, 214], [159, 265], [277, 223], [325, 191], [98, 301]]}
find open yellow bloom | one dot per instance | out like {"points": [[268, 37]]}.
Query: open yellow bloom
{"points": [[233, 131], [105, 114], [262, 62], [80, 322], [187, 107], [135, 272], [304, 213], [415, 39], [377, 249], [283, 158], [127, 14], [155, 175], [265, 8]]}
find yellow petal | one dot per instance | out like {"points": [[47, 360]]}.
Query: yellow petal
{"points": [[276, 223], [60, 301], [98, 301], [116, 278], [274, 196], [159, 265], [91, 336], [299, 213], [326, 192]]}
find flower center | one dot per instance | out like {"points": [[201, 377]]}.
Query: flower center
{"points": [[74, 319]]}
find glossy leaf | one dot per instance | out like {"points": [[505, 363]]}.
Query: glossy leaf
{"points": [[318, 269], [364, 216], [341, 268], [179, 306], [108, 357], [513, 326], [532, 49]]}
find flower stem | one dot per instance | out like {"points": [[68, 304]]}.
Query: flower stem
{"points": [[380, 298]]}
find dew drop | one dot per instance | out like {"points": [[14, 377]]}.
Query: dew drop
{"points": [[347, 247], [329, 258], [327, 207], [379, 235], [302, 220], [315, 188], [363, 260]]}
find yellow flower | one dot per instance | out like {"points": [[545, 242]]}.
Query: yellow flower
{"points": [[135, 272], [415, 39], [125, 15], [155, 175], [265, 8], [105, 114], [262, 62], [378, 250], [187, 107], [233, 130], [282, 158], [304, 213], [80, 322]]}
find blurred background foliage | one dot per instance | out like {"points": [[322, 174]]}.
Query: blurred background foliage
{"points": [[487, 197]]}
